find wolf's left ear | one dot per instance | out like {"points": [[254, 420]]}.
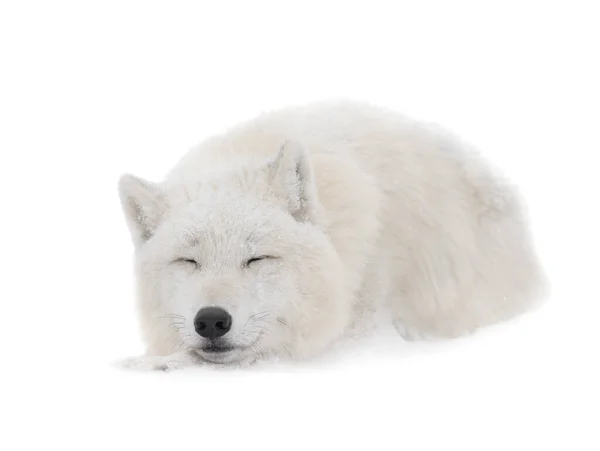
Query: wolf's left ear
{"points": [[292, 179], [143, 205]]}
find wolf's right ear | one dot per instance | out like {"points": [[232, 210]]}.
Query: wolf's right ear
{"points": [[143, 205]]}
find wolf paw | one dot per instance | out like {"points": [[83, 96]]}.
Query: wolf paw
{"points": [[159, 363]]}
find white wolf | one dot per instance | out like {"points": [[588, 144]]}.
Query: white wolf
{"points": [[288, 232]]}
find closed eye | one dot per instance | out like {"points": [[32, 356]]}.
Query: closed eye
{"points": [[187, 261], [257, 259]]}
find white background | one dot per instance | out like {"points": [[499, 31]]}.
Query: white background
{"points": [[90, 90]]}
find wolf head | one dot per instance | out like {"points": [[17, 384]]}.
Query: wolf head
{"points": [[236, 266]]}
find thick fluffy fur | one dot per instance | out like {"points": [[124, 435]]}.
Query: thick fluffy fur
{"points": [[360, 210]]}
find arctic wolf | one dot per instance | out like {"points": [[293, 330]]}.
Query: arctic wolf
{"points": [[291, 231]]}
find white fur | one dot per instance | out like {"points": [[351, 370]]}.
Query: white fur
{"points": [[363, 210]]}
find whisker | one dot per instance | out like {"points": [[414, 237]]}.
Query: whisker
{"points": [[171, 315]]}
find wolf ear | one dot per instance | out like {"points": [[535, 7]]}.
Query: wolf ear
{"points": [[292, 179], [143, 205]]}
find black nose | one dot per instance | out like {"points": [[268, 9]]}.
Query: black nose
{"points": [[212, 322]]}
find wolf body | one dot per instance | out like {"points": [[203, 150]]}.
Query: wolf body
{"points": [[304, 223]]}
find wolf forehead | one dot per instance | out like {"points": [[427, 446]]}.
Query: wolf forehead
{"points": [[241, 220]]}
